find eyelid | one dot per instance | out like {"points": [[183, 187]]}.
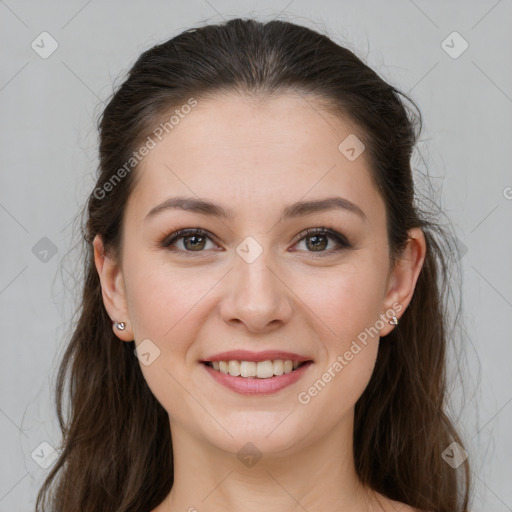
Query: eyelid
{"points": [[339, 238], [178, 234], [331, 232], [182, 233]]}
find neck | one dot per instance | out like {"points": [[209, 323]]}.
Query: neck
{"points": [[317, 475]]}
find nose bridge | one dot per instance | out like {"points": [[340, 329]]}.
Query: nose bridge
{"points": [[255, 295]]}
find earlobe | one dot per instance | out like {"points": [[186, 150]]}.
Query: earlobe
{"points": [[112, 290], [403, 278]]}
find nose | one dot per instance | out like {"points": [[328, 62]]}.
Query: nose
{"points": [[256, 296]]}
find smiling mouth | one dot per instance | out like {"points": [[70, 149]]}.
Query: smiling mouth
{"points": [[256, 370]]}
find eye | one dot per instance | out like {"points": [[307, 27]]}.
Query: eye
{"points": [[317, 239], [195, 240], [192, 240]]}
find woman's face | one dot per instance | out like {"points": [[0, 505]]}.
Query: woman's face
{"points": [[255, 279]]}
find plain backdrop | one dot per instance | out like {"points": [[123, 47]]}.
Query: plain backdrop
{"points": [[452, 57]]}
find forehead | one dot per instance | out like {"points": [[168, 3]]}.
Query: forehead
{"points": [[255, 154]]}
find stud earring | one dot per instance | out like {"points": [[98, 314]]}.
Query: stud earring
{"points": [[394, 320], [120, 325]]}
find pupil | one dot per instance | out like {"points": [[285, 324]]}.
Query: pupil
{"points": [[194, 244], [315, 244]]}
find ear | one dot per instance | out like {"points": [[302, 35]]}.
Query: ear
{"points": [[403, 278], [112, 289]]}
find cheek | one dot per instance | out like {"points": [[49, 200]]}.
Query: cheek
{"points": [[164, 308], [348, 304], [161, 299], [346, 299]]}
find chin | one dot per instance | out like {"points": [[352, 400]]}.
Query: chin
{"points": [[269, 436]]}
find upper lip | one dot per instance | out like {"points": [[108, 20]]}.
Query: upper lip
{"points": [[247, 355]]}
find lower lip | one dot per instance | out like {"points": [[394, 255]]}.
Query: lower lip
{"points": [[256, 386]]}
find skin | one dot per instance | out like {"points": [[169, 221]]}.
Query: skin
{"points": [[256, 157]]}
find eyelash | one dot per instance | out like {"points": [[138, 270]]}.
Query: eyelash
{"points": [[330, 233]]}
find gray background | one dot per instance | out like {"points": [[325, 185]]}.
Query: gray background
{"points": [[48, 110]]}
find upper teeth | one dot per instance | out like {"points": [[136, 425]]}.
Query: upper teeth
{"points": [[262, 369]]}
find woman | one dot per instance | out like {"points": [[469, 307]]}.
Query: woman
{"points": [[254, 235]]}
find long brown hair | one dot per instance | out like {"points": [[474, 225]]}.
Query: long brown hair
{"points": [[116, 452]]}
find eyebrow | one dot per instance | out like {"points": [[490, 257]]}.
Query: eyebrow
{"points": [[299, 209]]}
